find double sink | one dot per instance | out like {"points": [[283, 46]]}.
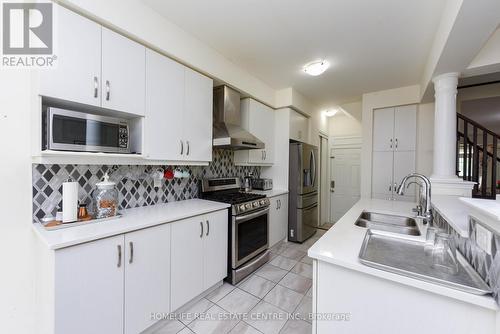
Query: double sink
{"points": [[402, 252]]}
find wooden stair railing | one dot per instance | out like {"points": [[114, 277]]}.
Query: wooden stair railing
{"points": [[477, 156]]}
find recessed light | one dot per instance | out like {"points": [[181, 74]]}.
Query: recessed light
{"points": [[316, 67], [331, 112]]}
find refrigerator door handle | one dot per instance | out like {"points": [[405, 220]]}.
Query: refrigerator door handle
{"points": [[313, 168]]}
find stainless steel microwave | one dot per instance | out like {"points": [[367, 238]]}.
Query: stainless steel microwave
{"points": [[67, 130]]}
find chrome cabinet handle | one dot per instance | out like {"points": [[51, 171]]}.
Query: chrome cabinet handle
{"points": [[131, 244], [182, 147], [187, 151], [119, 264], [280, 203], [390, 186], [277, 204], [396, 143], [262, 154], [108, 90], [208, 228], [96, 87], [201, 232], [391, 143]]}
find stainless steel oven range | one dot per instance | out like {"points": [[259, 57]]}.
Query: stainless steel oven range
{"points": [[248, 225]]}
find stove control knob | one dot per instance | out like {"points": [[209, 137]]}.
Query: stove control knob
{"points": [[242, 207], [262, 202], [248, 205], [255, 204]]}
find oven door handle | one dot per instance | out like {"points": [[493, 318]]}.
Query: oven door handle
{"points": [[239, 219]]}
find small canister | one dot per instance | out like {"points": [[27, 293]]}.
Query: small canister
{"points": [[106, 198]]}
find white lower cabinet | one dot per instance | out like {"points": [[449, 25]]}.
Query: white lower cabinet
{"points": [[114, 285], [199, 256], [278, 219], [147, 276], [89, 291]]}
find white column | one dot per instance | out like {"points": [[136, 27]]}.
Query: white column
{"points": [[445, 126], [444, 179]]}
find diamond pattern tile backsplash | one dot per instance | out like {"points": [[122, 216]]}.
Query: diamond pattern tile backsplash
{"points": [[486, 265], [134, 183]]}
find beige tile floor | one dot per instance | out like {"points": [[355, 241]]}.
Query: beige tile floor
{"points": [[268, 298]]}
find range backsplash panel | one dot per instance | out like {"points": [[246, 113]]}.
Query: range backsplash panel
{"points": [[134, 183]]}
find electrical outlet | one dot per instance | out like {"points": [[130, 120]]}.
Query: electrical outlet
{"points": [[484, 238]]}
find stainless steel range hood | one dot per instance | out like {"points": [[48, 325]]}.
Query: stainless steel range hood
{"points": [[228, 132]]}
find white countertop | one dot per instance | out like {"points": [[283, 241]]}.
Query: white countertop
{"points": [[341, 244], [131, 220], [453, 210], [270, 193]]}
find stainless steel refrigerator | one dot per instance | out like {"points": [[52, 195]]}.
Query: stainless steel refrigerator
{"points": [[303, 192]]}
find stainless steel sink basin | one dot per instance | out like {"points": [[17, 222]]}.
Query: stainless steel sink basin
{"points": [[388, 223], [407, 257], [388, 219]]}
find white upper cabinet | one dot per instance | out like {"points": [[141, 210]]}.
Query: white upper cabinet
{"points": [[299, 127], [77, 76], [383, 129], [405, 128], [395, 129], [147, 276], [164, 108], [178, 122], [123, 73], [258, 119], [198, 100]]}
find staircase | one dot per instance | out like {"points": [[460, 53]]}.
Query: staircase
{"points": [[477, 157]]}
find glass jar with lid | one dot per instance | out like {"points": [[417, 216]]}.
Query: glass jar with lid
{"points": [[105, 198]]}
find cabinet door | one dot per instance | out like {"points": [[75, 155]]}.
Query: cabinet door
{"points": [[123, 73], [283, 216], [164, 108], [299, 127], [383, 129], [404, 164], [274, 217], [382, 184], [405, 128], [261, 125], [215, 248], [147, 276], [78, 72], [278, 219], [186, 279], [198, 116], [89, 285]]}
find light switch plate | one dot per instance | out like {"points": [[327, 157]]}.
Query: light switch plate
{"points": [[484, 238]]}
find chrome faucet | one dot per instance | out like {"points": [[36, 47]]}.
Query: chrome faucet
{"points": [[427, 210]]}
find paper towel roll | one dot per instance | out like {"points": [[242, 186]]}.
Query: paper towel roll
{"points": [[70, 202]]}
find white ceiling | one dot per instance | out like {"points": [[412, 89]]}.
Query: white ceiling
{"points": [[372, 45]]}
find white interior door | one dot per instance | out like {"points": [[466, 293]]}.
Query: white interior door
{"points": [[345, 175]]}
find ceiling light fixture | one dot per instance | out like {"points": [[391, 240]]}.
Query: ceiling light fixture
{"points": [[331, 112], [316, 68]]}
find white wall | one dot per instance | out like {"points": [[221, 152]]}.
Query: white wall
{"points": [[425, 138], [17, 240], [342, 125], [488, 59]]}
